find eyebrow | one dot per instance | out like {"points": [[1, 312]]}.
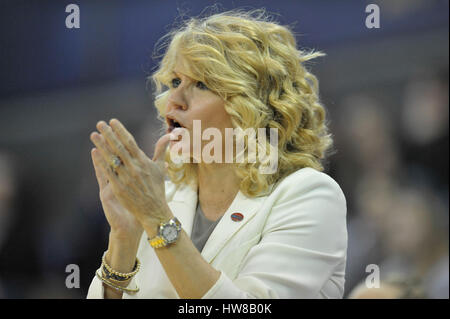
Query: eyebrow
{"points": [[178, 74]]}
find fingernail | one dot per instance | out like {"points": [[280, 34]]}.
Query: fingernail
{"points": [[97, 136], [101, 124]]}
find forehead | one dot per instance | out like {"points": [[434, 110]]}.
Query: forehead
{"points": [[181, 67], [185, 65]]}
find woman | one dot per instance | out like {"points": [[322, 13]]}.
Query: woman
{"points": [[221, 229]]}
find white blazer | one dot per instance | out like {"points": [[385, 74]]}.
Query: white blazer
{"points": [[291, 243]]}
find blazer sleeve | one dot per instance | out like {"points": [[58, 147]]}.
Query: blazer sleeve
{"points": [[302, 243], [96, 289]]}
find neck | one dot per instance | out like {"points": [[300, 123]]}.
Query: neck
{"points": [[217, 186]]}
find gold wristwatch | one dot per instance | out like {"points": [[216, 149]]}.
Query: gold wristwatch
{"points": [[168, 233]]}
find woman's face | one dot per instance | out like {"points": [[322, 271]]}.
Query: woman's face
{"points": [[191, 100]]}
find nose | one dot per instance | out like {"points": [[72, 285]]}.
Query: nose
{"points": [[177, 100]]}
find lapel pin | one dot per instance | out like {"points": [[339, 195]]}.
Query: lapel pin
{"points": [[237, 217]]}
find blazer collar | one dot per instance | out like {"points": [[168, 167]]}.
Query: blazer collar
{"points": [[184, 204]]}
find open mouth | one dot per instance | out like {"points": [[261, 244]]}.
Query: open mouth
{"points": [[173, 124]]}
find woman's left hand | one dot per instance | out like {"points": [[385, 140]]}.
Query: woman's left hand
{"points": [[138, 182]]}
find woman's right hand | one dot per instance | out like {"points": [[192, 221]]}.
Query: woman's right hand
{"points": [[123, 224]]}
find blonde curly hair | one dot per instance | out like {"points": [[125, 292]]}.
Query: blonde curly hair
{"points": [[254, 65]]}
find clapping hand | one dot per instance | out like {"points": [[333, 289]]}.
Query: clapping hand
{"points": [[131, 184]]}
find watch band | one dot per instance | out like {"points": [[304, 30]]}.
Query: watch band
{"points": [[159, 241]]}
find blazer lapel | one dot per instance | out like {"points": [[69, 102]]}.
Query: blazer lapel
{"points": [[226, 227], [183, 205]]}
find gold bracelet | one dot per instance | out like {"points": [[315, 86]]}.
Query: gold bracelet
{"points": [[116, 287], [112, 278], [118, 275]]}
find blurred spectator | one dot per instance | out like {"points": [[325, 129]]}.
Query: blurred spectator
{"points": [[19, 269], [366, 143], [404, 230], [392, 288], [424, 129], [415, 239], [8, 190], [373, 200]]}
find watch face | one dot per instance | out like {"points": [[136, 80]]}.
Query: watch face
{"points": [[170, 233]]}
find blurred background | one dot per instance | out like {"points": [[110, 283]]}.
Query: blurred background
{"points": [[385, 90]]}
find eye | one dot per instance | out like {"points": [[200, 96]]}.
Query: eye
{"points": [[201, 85], [175, 82]]}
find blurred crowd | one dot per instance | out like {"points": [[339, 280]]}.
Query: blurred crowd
{"points": [[393, 167]]}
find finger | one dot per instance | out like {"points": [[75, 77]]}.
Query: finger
{"points": [[121, 174], [101, 178], [108, 174], [115, 144], [160, 149], [103, 147], [125, 137]]}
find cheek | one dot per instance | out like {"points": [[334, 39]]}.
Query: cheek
{"points": [[219, 120], [211, 112]]}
